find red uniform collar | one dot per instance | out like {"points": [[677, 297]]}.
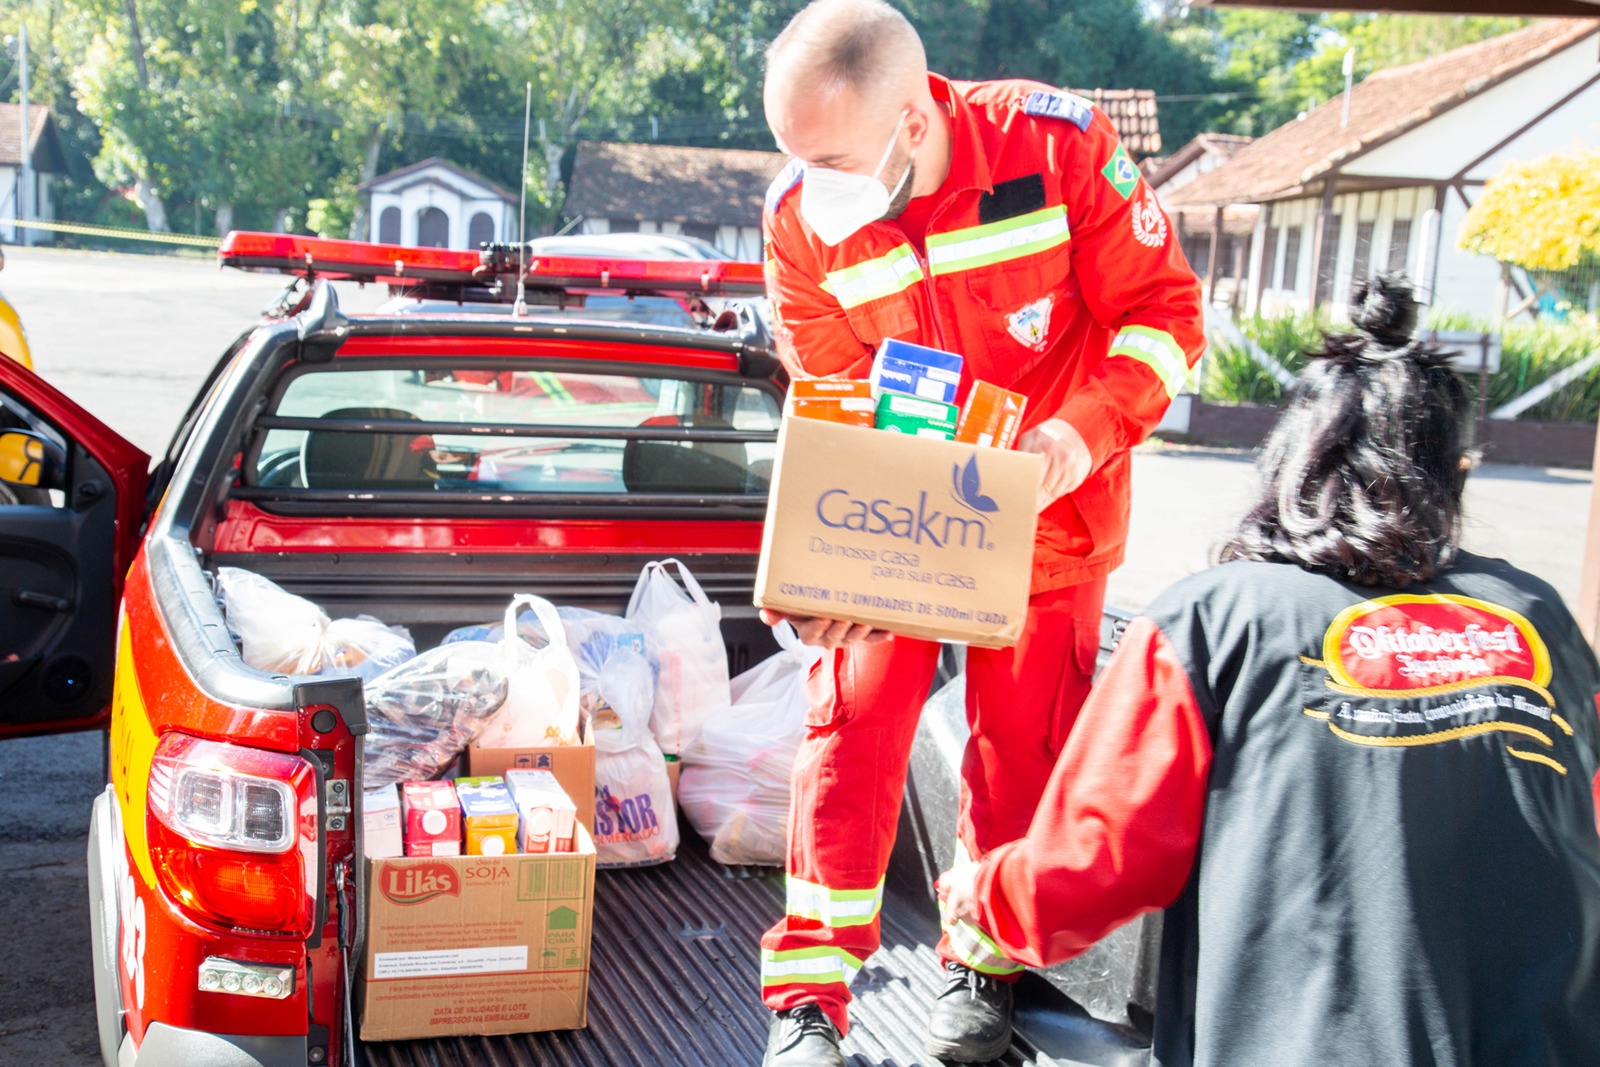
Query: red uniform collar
{"points": [[969, 166]]}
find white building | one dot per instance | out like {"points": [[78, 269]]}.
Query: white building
{"points": [[46, 160], [436, 204], [1387, 186]]}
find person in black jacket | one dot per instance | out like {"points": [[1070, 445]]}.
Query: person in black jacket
{"points": [[1356, 764]]}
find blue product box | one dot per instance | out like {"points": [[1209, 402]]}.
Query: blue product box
{"points": [[929, 373]]}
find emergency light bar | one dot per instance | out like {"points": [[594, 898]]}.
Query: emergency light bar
{"points": [[494, 269]]}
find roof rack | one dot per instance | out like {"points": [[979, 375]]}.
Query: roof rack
{"points": [[488, 275]]}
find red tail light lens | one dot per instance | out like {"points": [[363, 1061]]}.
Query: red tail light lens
{"points": [[233, 833]]}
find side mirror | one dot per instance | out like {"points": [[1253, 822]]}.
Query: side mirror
{"points": [[31, 460]]}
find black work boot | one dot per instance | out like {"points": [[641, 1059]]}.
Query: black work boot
{"points": [[971, 1021], [803, 1037]]}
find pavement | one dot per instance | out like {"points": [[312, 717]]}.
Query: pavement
{"points": [[132, 337]]}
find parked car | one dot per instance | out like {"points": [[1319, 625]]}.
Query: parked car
{"points": [[419, 465]]}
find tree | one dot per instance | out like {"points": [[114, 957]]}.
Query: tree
{"points": [[1542, 215]]}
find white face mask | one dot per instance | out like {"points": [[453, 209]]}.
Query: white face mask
{"points": [[836, 205]]}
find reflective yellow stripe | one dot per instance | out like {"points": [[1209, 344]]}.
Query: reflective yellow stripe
{"points": [[997, 242], [809, 966], [1157, 350], [973, 947], [874, 278], [834, 907]]}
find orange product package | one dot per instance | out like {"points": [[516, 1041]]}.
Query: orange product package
{"points": [[991, 416]]}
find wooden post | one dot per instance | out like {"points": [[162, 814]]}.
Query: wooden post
{"points": [[1588, 606], [1214, 260]]}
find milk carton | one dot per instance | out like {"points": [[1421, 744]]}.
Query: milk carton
{"points": [[547, 812]]}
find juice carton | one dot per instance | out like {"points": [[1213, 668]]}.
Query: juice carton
{"points": [[432, 818], [902, 367], [991, 416], [488, 816], [380, 823], [920, 418], [548, 813]]}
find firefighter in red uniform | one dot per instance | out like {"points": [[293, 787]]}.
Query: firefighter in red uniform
{"points": [[1005, 222]]}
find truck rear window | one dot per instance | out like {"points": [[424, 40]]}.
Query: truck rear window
{"points": [[520, 431]]}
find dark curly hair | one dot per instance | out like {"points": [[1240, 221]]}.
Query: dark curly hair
{"points": [[1361, 478]]}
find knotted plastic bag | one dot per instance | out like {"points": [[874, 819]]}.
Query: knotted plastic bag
{"points": [[735, 783], [683, 636], [281, 632], [541, 706], [425, 712]]}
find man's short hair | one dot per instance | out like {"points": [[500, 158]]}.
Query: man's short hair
{"points": [[848, 44]]}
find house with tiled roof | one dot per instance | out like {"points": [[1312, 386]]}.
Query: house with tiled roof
{"points": [[1218, 254], [716, 194], [1383, 180], [45, 159]]}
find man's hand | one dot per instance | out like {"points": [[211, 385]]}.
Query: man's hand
{"points": [[826, 633], [1067, 461], [958, 888]]}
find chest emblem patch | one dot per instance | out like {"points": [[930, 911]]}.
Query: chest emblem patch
{"points": [[1149, 224], [1030, 324]]}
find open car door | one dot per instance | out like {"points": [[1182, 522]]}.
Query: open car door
{"points": [[72, 504]]}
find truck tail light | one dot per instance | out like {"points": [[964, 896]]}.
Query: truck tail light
{"points": [[233, 832]]}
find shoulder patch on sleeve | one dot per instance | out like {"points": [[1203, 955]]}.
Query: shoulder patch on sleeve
{"points": [[1060, 105], [787, 179]]}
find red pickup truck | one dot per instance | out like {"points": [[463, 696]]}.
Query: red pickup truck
{"points": [[505, 427]]}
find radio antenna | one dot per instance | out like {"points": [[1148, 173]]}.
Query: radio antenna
{"points": [[521, 306]]}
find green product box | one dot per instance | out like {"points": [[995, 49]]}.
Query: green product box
{"points": [[899, 413]]}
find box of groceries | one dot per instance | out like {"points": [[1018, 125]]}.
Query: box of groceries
{"points": [[904, 531]]}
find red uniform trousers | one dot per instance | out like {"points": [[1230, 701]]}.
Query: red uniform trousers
{"points": [[850, 774]]}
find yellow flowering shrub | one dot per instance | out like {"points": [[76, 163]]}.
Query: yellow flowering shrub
{"points": [[1541, 215]]}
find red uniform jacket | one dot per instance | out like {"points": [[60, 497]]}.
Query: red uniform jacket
{"points": [[1048, 265]]}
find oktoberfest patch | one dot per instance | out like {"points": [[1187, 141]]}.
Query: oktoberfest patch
{"points": [[1408, 670]]}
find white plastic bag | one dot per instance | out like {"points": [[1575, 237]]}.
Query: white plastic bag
{"points": [[425, 712], [541, 706], [735, 783], [635, 823], [279, 631], [684, 639]]}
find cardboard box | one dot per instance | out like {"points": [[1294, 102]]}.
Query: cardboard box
{"points": [[991, 416], [488, 817], [547, 814], [380, 823], [919, 418], [929, 539], [478, 944], [902, 367], [573, 766], [431, 817]]}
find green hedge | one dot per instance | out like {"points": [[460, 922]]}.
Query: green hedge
{"points": [[1530, 353]]}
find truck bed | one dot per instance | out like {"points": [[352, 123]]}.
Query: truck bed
{"points": [[675, 975], [675, 969]]}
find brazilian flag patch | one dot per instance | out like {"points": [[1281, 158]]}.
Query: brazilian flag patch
{"points": [[1121, 173]]}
